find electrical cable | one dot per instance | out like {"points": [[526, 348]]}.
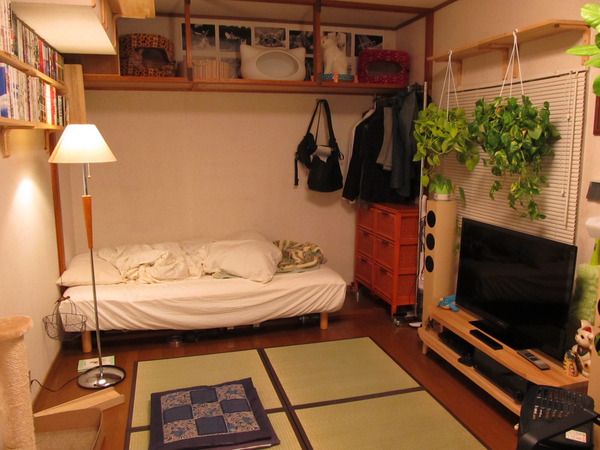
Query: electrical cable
{"points": [[50, 389]]}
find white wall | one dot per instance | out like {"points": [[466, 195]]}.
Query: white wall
{"points": [[29, 266], [411, 39], [209, 164]]}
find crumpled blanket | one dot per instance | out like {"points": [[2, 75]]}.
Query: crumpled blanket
{"points": [[153, 263], [298, 256], [170, 261]]}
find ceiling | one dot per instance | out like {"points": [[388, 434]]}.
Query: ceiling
{"points": [[383, 14]]}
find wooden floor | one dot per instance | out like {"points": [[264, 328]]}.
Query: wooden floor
{"points": [[482, 415]]}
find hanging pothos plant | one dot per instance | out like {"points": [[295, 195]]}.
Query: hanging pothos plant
{"points": [[590, 12], [439, 133], [515, 137]]}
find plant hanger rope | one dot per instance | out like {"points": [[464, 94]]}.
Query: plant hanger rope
{"points": [[510, 67], [448, 78]]}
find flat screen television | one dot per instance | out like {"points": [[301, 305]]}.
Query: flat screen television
{"points": [[519, 285]]}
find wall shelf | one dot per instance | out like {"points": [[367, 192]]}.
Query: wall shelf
{"points": [[504, 42], [11, 60], [7, 125], [130, 83]]}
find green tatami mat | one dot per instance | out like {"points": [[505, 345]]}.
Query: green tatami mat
{"points": [[411, 421], [140, 440], [174, 373], [334, 370]]}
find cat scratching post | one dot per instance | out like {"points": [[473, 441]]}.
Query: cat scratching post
{"points": [[15, 398]]}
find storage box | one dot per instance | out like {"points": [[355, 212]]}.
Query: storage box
{"points": [[383, 66], [147, 55], [73, 430]]}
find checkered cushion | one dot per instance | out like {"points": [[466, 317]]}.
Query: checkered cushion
{"points": [[227, 415]]}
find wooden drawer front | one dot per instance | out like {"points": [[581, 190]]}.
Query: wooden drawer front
{"points": [[383, 281], [365, 217], [363, 270], [409, 228], [407, 259], [406, 289], [364, 242], [385, 223], [383, 252]]}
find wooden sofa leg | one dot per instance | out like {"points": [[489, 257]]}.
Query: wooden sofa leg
{"points": [[324, 320], [86, 341]]}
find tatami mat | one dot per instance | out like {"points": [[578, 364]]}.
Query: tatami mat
{"points": [[412, 420], [174, 373], [346, 394], [338, 369]]}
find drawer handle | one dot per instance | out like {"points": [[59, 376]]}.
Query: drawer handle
{"points": [[385, 243], [363, 260], [383, 271]]}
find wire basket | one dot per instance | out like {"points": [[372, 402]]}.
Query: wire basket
{"points": [[66, 322]]}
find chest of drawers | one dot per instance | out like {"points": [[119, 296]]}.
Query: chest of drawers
{"points": [[386, 252]]}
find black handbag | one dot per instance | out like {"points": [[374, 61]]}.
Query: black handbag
{"points": [[323, 176]]}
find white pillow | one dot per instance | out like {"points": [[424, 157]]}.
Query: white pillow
{"points": [[78, 272], [254, 260]]}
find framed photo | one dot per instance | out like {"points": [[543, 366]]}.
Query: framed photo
{"points": [[203, 37], [302, 39], [364, 41], [231, 36], [269, 37]]}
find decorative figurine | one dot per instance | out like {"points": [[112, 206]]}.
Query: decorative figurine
{"points": [[584, 343], [335, 59]]}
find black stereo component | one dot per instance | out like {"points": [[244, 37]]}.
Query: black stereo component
{"points": [[511, 383]]}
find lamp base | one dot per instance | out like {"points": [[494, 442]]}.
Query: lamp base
{"points": [[96, 378]]}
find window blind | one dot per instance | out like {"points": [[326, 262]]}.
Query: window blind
{"points": [[565, 93]]}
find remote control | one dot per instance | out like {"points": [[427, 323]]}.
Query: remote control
{"points": [[533, 359]]}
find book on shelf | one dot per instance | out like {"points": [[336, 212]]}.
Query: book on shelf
{"points": [[4, 99]]}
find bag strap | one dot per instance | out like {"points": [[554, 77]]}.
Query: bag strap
{"points": [[332, 142], [312, 119]]}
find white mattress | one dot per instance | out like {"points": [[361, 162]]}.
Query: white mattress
{"points": [[208, 302]]}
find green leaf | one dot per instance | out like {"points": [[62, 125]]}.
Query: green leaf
{"points": [[594, 61], [425, 180], [590, 12], [536, 132], [596, 86], [584, 50]]}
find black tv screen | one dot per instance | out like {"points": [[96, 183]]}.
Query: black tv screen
{"points": [[520, 285]]}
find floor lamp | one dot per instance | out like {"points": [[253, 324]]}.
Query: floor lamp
{"points": [[83, 144]]}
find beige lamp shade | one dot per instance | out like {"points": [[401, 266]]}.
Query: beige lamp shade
{"points": [[81, 143]]}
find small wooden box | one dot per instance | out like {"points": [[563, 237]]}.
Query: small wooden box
{"points": [[146, 55]]}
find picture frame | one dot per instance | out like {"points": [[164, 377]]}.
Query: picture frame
{"points": [[203, 37], [364, 41], [270, 37], [304, 39], [231, 36]]}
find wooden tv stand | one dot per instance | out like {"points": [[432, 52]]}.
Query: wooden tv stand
{"points": [[458, 323]]}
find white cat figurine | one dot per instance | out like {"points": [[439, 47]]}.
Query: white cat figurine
{"points": [[335, 59]]}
